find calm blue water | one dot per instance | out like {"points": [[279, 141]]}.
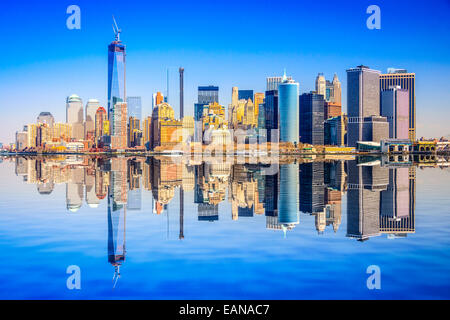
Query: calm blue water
{"points": [[308, 231]]}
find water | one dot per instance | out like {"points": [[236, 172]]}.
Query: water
{"points": [[308, 230]]}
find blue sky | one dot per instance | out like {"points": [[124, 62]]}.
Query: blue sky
{"points": [[224, 43]]}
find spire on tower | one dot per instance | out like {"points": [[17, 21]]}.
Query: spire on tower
{"points": [[116, 29]]}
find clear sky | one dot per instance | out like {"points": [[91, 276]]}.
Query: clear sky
{"points": [[224, 43]]}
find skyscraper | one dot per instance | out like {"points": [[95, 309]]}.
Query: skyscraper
{"points": [[366, 181], [74, 116], [116, 72], [274, 82], [208, 94], [134, 105], [311, 118], [181, 71], [234, 96], [312, 191], [117, 199], [157, 98], [245, 94], [321, 85], [400, 77], [258, 100], [395, 107], [100, 118], [363, 104], [89, 126], [118, 125], [271, 115], [288, 201], [288, 92], [336, 97], [333, 103], [135, 138], [47, 118]]}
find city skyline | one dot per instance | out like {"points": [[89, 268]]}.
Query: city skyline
{"points": [[218, 65]]}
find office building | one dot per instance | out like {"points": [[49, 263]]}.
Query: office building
{"points": [[288, 201], [363, 104], [334, 131], [311, 118], [89, 126], [118, 126], [407, 81], [21, 140], [271, 115], [312, 188], [366, 181], [245, 94], [100, 118], [395, 199], [74, 116], [148, 132], [395, 107], [134, 105], [166, 130], [272, 83], [288, 103], [321, 85], [208, 94], [258, 100], [333, 91], [135, 137], [47, 118], [157, 98]]}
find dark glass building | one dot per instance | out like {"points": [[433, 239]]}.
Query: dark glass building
{"points": [[245, 94], [312, 187], [208, 94], [366, 180], [311, 118], [271, 114]]}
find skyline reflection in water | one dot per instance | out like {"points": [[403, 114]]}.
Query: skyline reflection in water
{"points": [[378, 198]]}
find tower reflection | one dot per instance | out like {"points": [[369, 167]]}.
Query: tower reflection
{"points": [[379, 193]]}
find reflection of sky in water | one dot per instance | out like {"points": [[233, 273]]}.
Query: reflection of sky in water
{"points": [[40, 238]]}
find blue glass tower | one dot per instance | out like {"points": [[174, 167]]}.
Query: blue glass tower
{"points": [[288, 92], [134, 107], [245, 94], [116, 72], [311, 118], [288, 197]]}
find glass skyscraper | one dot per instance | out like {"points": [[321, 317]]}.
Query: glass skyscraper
{"points": [[245, 94], [134, 105], [288, 102], [311, 118], [271, 115], [116, 73], [288, 215], [208, 94]]}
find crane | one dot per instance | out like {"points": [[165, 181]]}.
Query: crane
{"points": [[116, 29]]}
